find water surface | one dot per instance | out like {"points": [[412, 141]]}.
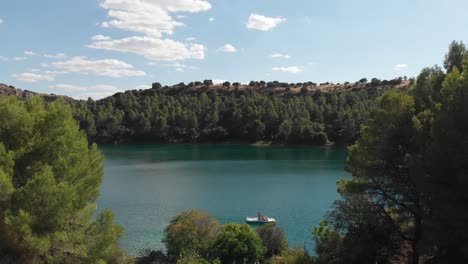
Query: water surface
{"points": [[147, 185]]}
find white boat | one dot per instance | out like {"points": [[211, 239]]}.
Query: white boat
{"points": [[255, 220]]}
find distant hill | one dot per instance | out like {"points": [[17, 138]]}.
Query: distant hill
{"points": [[6, 90], [273, 112]]}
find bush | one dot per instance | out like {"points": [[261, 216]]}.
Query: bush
{"points": [[296, 256], [237, 243]]}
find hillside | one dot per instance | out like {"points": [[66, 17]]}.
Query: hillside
{"points": [[274, 112], [8, 90]]}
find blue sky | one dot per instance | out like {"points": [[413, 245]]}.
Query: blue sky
{"points": [[96, 48]]}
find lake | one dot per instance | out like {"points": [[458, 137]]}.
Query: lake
{"points": [[147, 185]]}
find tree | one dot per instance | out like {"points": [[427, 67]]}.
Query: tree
{"points": [[445, 164], [454, 57], [49, 182], [363, 80], [190, 232], [237, 243], [381, 164], [208, 82], [156, 85], [274, 239]]}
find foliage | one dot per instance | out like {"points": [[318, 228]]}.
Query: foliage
{"points": [[183, 114], [190, 232], [237, 243], [454, 57], [408, 196], [296, 256], [273, 238], [49, 181]]}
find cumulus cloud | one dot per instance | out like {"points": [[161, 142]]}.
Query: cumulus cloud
{"points": [[56, 56], [29, 53], [279, 55], [30, 77], [84, 92], [150, 17], [263, 23], [153, 48], [108, 67], [401, 66], [19, 58], [291, 69], [100, 37], [228, 48]]}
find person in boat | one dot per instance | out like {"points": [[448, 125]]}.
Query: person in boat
{"points": [[259, 216]]}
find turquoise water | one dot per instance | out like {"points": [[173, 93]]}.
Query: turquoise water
{"points": [[147, 185]]}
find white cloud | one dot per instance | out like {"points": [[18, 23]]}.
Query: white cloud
{"points": [[219, 81], [29, 53], [2, 58], [20, 58], [401, 66], [150, 17], [228, 48], [179, 70], [211, 19], [95, 91], [279, 55], [190, 39], [108, 67], [56, 56], [264, 23], [154, 49], [100, 37], [291, 69], [34, 70], [1, 21], [68, 87], [30, 77]]}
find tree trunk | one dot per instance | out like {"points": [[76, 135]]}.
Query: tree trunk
{"points": [[417, 237]]}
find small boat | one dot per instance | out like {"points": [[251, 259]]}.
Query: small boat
{"points": [[255, 220]]}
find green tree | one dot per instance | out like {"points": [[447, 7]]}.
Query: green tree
{"points": [[190, 232], [455, 55], [237, 243], [382, 165], [49, 181]]}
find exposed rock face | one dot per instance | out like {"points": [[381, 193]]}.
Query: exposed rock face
{"points": [[6, 90]]}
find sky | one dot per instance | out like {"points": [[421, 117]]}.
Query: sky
{"points": [[95, 48]]}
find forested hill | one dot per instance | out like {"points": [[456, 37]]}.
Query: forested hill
{"points": [[280, 113], [8, 90]]}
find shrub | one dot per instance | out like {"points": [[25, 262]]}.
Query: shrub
{"points": [[237, 243], [191, 231]]}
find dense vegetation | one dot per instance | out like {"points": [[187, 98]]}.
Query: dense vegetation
{"points": [[49, 183], [197, 238], [259, 112], [406, 201]]}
